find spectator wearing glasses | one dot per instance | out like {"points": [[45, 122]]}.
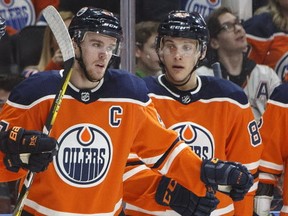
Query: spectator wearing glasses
{"points": [[227, 50]]}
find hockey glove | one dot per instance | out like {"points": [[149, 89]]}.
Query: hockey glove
{"points": [[170, 193], [17, 140], [215, 172]]}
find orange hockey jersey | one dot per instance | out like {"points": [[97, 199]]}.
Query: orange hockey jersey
{"points": [[269, 44], [215, 120], [274, 159], [96, 129]]}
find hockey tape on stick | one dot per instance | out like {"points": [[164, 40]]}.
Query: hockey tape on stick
{"points": [[63, 39]]}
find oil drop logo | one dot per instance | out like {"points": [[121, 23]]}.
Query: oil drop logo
{"points": [[84, 155]]}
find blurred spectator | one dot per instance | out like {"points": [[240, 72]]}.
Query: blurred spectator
{"points": [[8, 191], [267, 35], [51, 57], [19, 14], [227, 45], [147, 61]]}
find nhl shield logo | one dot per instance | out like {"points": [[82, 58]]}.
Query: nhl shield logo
{"points": [[186, 99], [85, 96]]}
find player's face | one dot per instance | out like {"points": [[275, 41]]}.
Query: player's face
{"points": [[147, 58], [232, 36], [97, 50], [179, 55]]}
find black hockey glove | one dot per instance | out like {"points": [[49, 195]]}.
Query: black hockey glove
{"points": [[2, 27], [17, 141], [170, 193], [215, 172]]}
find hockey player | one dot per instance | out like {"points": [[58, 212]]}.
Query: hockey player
{"points": [[227, 43], [211, 115], [274, 159], [104, 115]]}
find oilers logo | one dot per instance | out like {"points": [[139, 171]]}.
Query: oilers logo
{"points": [[18, 14], [84, 155], [197, 137], [202, 7]]}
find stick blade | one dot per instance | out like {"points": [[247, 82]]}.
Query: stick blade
{"points": [[60, 32]]}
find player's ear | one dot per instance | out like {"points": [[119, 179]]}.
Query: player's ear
{"points": [[75, 46], [203, 52], [137, 52], [214, 43], [160, 55]]}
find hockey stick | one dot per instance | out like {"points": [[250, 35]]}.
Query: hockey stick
{"points": [[217, 69], [63, 39], [218, 73]]}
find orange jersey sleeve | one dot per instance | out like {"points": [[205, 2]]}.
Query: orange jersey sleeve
{"points": [[139, 191]]}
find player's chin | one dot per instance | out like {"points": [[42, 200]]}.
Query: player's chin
{"points": [[98, 74]]}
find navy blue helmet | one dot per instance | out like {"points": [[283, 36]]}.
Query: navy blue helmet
{"points": [[95, 20], [180, 23]]}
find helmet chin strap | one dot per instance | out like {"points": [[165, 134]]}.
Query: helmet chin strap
{"points": [[82, 65], [183, 82]]}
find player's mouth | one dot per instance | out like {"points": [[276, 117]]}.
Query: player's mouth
{"points": [[177, 68], [100, 65]]}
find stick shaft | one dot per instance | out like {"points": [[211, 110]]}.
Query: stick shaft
{"points": [[61, 34]]}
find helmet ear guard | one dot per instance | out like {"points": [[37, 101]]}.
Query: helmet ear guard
{"points": [[78, 36]]}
